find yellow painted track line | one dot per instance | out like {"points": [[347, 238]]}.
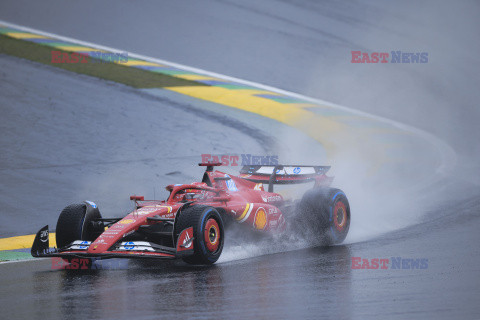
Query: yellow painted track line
{"points": [[196, 77], [22, 242], [74, 48], [131, 62], [25, 35]]}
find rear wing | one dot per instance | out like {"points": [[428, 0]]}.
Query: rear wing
{"points": [[283, 174]]}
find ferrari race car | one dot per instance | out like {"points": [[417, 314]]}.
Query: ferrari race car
{"points": [[190, 224]]}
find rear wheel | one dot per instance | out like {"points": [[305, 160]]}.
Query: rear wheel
{"points": [[208, 233], [74, 223], [327, 212]]}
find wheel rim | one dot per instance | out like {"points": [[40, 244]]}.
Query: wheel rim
{"points": [[212, 235], [340, 215]]}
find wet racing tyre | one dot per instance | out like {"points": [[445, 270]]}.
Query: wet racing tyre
{"points": [[74, 223], [208, 233], [325, 213]]}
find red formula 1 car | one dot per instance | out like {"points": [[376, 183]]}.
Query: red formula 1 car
{"points": [[190, 223]]}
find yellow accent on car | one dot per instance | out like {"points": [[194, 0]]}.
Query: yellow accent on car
{"points": [[244, 212]]}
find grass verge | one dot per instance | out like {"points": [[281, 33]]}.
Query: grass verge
{"points": [[130, 76]]}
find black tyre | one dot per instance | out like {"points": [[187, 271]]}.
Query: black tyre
{"points": [[74, 223], [325, 212], [208, 233]]}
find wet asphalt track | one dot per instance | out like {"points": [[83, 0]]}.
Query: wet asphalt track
{"points": [[310, 283]]}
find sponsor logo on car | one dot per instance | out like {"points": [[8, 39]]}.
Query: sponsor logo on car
{"points": [[143, 211], [231, 184], [126, 221], [93, 204], [129, 246], [260, 220], [272, 210], [187, 242], [44, 236], [84, 245], [258, 186], [109, 234], [128, 233], [273, 198], [169, 208]]}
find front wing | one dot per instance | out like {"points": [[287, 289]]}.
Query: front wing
{"points": [[78, 249]]}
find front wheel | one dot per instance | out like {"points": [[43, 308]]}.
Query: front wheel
{"points": [[208, 233], [74, 223]]}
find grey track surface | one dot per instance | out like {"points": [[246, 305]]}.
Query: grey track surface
{"points": [[303, 46]]}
